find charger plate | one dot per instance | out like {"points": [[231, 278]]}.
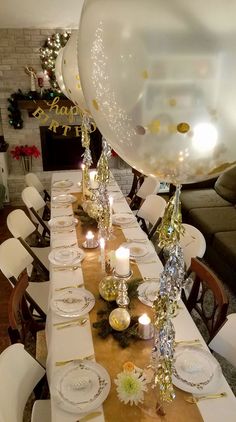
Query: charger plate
{"points": [[62, 222], [80, 387], [123, 219], [64, 199], [66, 256], [72, 302], [136, 249], [196, 370], [62, 184]]}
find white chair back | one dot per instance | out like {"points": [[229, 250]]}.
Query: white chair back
{"points": [[32, 180], [32, 198], [193, 244], [150, 186], [19, 224], [224, 341], [152, 208], [14, 258], [19, 373]]}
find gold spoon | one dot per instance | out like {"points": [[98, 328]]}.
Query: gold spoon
{"points": [[64, 362], [76, 286], [74, 268], [72, 324], [194, 399]]}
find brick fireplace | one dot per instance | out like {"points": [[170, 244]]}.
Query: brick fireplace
{"points": [[19, 48]]}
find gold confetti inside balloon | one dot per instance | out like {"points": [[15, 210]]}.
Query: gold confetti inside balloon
{"points": [[58, 73], [70, 73], [159, 79]]}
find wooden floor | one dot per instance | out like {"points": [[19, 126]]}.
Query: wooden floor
{"points": [[5, 288]]}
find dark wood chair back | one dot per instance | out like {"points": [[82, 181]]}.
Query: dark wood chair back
{"points": [[207, 297], [21, 320], [137, 182]]}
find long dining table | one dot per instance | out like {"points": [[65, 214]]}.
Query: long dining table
{"points": [[76, 342]]}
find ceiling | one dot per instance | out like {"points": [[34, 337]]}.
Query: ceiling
{"points": [[40, 14]]}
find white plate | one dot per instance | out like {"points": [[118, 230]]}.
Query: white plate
{"points": [[80, 387], [64, 199], [147, 292], [62, 184], [66, 256], [196, 370], [123, 219], [72, 302], [136, 249], [62, 222]]}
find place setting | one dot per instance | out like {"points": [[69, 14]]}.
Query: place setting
{"points": [[72, 302], [124, 220], [62, 223], [63, 199], [66, 257], [80, 386], [62, 184]]}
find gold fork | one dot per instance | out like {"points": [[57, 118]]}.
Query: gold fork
{"points": [[74, 268], [195, 399], [65, 246], [76, 286], [73, 324], [64, 362]]}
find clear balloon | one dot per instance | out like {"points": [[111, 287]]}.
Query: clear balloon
{"points": [[58, 73], [159, 79], [70, 73]]}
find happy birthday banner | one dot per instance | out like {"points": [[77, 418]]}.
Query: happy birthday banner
{"points": [[69, 112]]}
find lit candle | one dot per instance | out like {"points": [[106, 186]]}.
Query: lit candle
{"points": [[92, 179], [89, 239], [145, 328], [102, 249], [83, 180], [122, 266], [111, 205]]}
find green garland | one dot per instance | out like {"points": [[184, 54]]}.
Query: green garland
{"points": [[15, 117], [104, 329], [84, 218]]}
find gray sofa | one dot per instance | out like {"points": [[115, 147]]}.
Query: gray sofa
{"points": [[211, 207]]}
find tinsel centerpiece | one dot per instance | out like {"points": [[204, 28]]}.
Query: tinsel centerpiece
{"points": [[103, 175], [171, 282]]}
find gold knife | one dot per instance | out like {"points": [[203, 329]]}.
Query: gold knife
{"points": [[64, 362], [89, 417]]}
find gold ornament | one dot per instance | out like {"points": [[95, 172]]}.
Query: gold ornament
{"points": [[119, 319], [108, 288]]}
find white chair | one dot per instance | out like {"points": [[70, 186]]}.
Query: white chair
{"points": [[35, 204], [151, 211], [31, 179], [193, 243], [20, 373], [150, 186], [21, 227], [14, 259], [224, 341]]}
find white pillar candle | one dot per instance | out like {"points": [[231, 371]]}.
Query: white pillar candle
{"points": [[122, 266], [102, 249], [145, 328], [89, 239], [92, 179]]}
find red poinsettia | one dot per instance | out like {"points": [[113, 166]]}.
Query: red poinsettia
{"points": [[25, 151]]}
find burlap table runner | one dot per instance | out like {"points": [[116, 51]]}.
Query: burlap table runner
{"points": [[110, 355]]}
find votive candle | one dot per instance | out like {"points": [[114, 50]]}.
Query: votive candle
{"points": [[145, 328], [122, 265], [89, 239]]}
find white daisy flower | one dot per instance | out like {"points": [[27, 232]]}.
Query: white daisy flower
{"points": [[131, 387]]}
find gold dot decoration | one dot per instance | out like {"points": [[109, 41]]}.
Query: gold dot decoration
{"points": [[95, 104], [183, 127], [154, 126], [145, 74], [172, 102], [64, 61], [140, 130]]}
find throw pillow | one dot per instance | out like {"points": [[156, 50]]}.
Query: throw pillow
{"points": [[225, 185]]}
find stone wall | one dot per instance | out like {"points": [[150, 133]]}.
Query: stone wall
{"points": [[19, 48]]}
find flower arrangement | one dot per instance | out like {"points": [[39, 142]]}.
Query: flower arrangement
{"points": [[131, 384], [25, 151]]}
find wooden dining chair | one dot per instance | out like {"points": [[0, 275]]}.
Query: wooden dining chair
{"points": [[21, 320], [151, 213], [150, 186], [138, 179], [207, 297]]}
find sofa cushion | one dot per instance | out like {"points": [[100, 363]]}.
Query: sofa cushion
{"points": [[201, 198], [225, 185], [225, 244], [213, 220]]}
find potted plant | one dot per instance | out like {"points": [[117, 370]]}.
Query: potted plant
{"points": [[25, 153]]}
